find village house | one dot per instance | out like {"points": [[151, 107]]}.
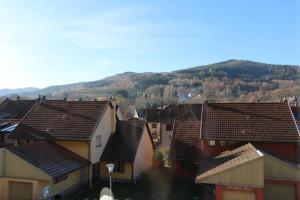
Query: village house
{"points": [[11, 113], [130, 149], [219, 138], [80, 127], [40, 170], [151, 115], [161, 121]]}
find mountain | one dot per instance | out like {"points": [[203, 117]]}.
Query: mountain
{"points": [[232, 80], [4, 92]]}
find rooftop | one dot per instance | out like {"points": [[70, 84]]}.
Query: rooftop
{"points": [[270, 122], [186, 143], [61, 120], [51, 158]]}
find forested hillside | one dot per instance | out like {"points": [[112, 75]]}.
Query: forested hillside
{"points": [[232, 80]]}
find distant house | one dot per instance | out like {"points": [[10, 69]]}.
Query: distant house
{"points": [[26, 171], [130, 149], [82, 127], [153, 120], [161, 121], [11, 113]]}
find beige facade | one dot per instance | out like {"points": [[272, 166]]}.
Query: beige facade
{"points": [[144, 156], [80, 148], [250, 174], [278, 169], [239, 195]]}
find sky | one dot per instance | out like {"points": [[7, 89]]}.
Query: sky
{"points": [[55, 42]]}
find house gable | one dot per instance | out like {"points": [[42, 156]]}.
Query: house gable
{"points": [[144, 155], [13, 164]]}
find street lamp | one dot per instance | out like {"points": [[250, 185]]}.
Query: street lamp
{"points": [[110, 168]]}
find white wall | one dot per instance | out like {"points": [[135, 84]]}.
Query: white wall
{"points": [[144, 157], [103, 129]]}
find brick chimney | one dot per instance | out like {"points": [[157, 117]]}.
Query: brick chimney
{"points": [[113, 101]]}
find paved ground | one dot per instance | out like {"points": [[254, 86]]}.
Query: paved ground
{"points": [[158, 185]]}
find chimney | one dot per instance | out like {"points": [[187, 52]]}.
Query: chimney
{"points": [[39, 99], [113, 101]]}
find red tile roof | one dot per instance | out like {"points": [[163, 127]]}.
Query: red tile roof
{"points": [[186, 143], [62, 120], [269, 122], [15, 110], [51, 158], [227, 160]]}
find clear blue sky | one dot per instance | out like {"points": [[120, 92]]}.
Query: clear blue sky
{"points": [[54, 42]]}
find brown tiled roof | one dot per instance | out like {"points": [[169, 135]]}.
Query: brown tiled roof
{"points": [[181, 112], [227, 160], [15, 109], [51, 158], [152, 115], [62, 120], [186, 143], [124, 143], [270, 122]]}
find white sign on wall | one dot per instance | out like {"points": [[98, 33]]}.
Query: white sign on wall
{"points": [[46, 192]]}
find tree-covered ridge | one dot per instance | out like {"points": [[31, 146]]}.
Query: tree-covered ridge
{"points": [[232, 80]]}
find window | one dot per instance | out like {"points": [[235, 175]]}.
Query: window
{"points": [[212, 143], [169, 127], [154, 125], [119, 167], [98, 140]]}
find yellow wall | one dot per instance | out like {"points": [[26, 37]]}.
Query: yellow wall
{"points": [[249, 174], [279, 192], [80, 148], [127, 175], [239, 195], [15, 167], [72, 180], [278, 169], [144, 156]]}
